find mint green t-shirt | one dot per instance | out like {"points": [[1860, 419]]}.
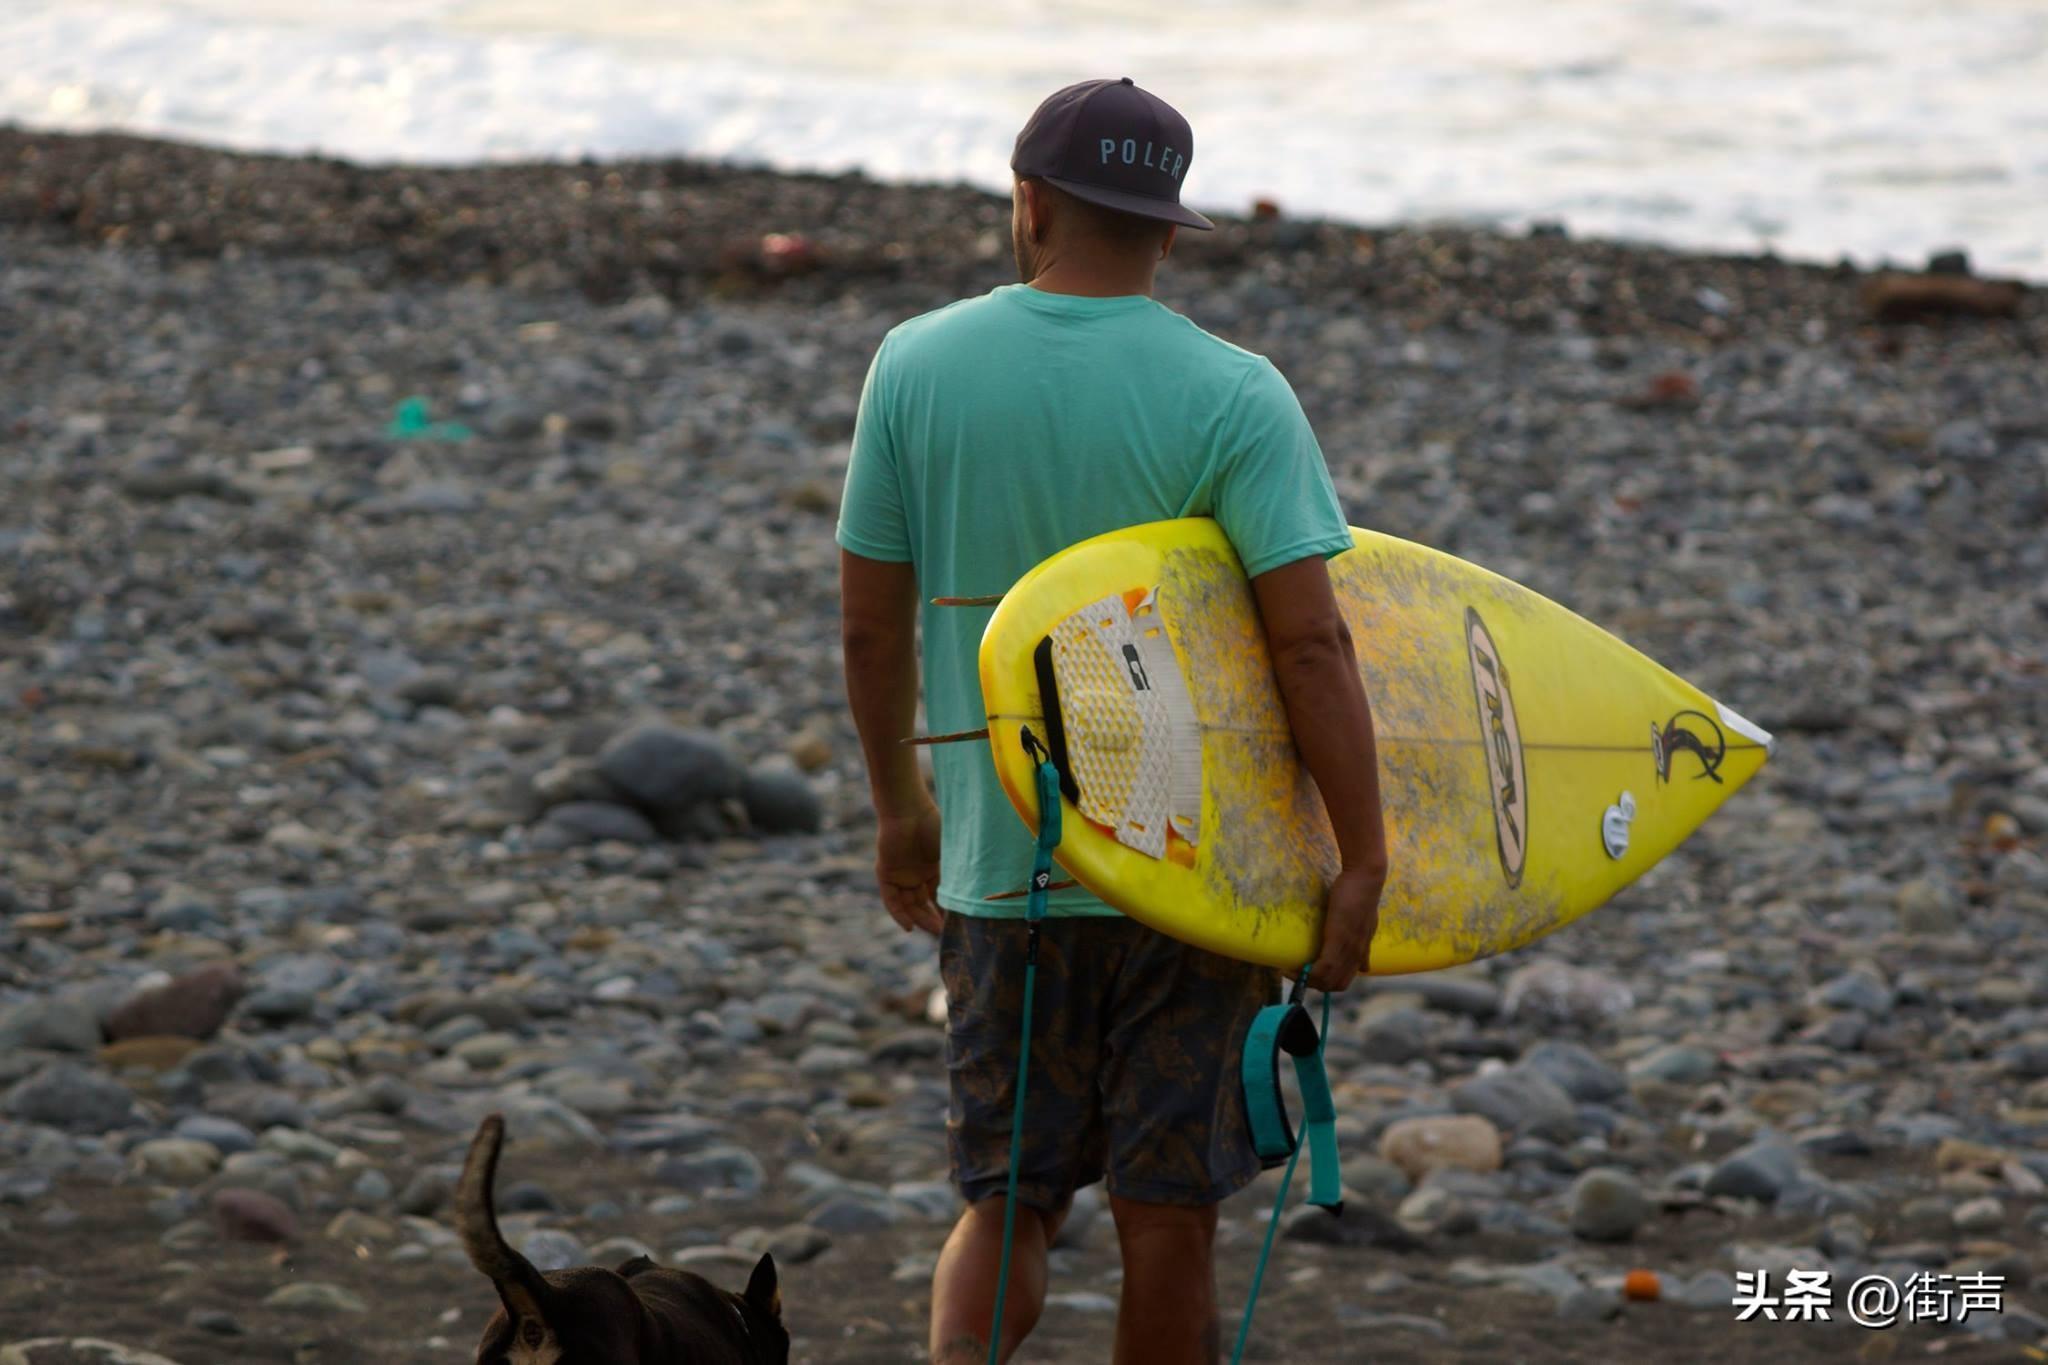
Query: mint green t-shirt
{"points": [[998, 431]]}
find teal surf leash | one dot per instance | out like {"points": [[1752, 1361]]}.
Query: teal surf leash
{"points": [[1034, 911], [1276, 1029]]}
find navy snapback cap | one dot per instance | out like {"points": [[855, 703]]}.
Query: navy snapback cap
{"points": [[1112, 144]]}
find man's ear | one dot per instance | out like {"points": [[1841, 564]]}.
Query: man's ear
{"points": [[1037, 211], [763, 1293], [1166, 247]]}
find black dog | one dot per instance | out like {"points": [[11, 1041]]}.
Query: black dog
{"points": [[638, 1314]]}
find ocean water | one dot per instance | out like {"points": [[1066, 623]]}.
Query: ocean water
{"points": [[1873, 129]]}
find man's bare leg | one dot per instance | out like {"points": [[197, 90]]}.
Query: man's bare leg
{"points": [[1168, 1312], [964, 1282]]}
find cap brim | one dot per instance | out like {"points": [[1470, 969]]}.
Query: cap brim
{"points": [[1143, 205]]}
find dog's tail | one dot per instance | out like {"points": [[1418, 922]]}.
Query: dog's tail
{"points": [[524, 1292]]}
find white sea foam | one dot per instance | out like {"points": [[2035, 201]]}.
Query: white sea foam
{"points": [[1818, 128]]}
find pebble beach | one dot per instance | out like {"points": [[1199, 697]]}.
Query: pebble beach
{"points": [[420, 698]]}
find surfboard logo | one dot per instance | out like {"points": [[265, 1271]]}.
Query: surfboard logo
{"points": [[1689, 732], [1501, 740]]}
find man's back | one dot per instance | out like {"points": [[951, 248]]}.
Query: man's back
{"points": [[1002, 429]]}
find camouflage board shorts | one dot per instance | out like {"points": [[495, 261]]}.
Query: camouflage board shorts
{"points": [[1134, 1061]]}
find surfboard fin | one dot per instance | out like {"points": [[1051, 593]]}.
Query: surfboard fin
{"points": [[1025, 891], [957, 737], [967, 601]]}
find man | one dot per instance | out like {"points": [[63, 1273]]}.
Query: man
{"points": [[993, 433]]}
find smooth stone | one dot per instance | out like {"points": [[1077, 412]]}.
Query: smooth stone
{"points": [[1862, 990], [248, 1215], [156, 1054], [848, 1214], [1590, 1304], [66, 1095], [591, 822], [427, 1192], [78, 1351], [552, 1249], [1576, 1071], [1433, 1208], [1760, 1171], [1361, 1225], [1376, 1178], [1397, 1037], [1516, 1100], [779, 801], [1424, 1144], [1710, 1289], [1608, 1205], [275, 1005], [1561, 993], [1447, 992], [177, 1161], [667, 769], [314, 1297], [714, 1170], [1676, 1064], [62, 1023], [1376, 1323], [1979, 1215], [189, 1005]]}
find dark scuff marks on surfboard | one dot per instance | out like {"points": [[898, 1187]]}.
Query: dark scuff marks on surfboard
{"points": [[1270, 850]]}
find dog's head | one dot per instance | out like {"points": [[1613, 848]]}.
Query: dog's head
{"points": [[592, 1316]]}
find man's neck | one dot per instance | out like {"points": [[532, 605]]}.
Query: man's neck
{"points": [[1063, 278]]}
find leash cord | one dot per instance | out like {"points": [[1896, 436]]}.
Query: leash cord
{"points": [[1034, 911], [1251, 1301]]}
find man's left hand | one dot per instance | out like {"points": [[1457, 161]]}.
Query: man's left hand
{"points": [[907, 868], [1351, 916]]}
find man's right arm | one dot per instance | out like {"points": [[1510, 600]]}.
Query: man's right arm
{"points": [[1327, 710]]}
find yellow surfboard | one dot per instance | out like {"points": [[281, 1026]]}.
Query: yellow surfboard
{"points": [[1531, 765]]}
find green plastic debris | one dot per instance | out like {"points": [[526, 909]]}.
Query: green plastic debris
{"points": [[412, 423]]}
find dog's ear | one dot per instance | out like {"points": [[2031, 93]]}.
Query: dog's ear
{"points": [[763, 1293]]}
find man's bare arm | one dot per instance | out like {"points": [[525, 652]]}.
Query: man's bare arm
{"points": [[878, 633], [1327, 710]]}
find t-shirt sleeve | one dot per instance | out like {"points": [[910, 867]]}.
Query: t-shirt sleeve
{"points": [[1272, 494], [872, 519]]}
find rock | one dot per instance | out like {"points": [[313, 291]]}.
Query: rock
{"points": [[66, 1095], [779, 801], [1608, 1206], [1361, 1225], [1590, 1304], [1979, 1215], [846, 1214], [714, 1170], [77, 1351], [223, 1135], [1397, 1036], [155, 1054], [590, 822], [1515, 1099], [551, 1249], [1559, 993], [1450, 992], [428, 1191], [1861, 990], [669, 771], [1760, 1171], [1927, 906], [1434, 1209], [60, 1023], [313, 1297], [246, 1215], [177, 1161], [193, 1005], [1676, 1064], [1376, 1178], [1896, 298], [1421, 1145], [280, 1005], [1576, 1071]]}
